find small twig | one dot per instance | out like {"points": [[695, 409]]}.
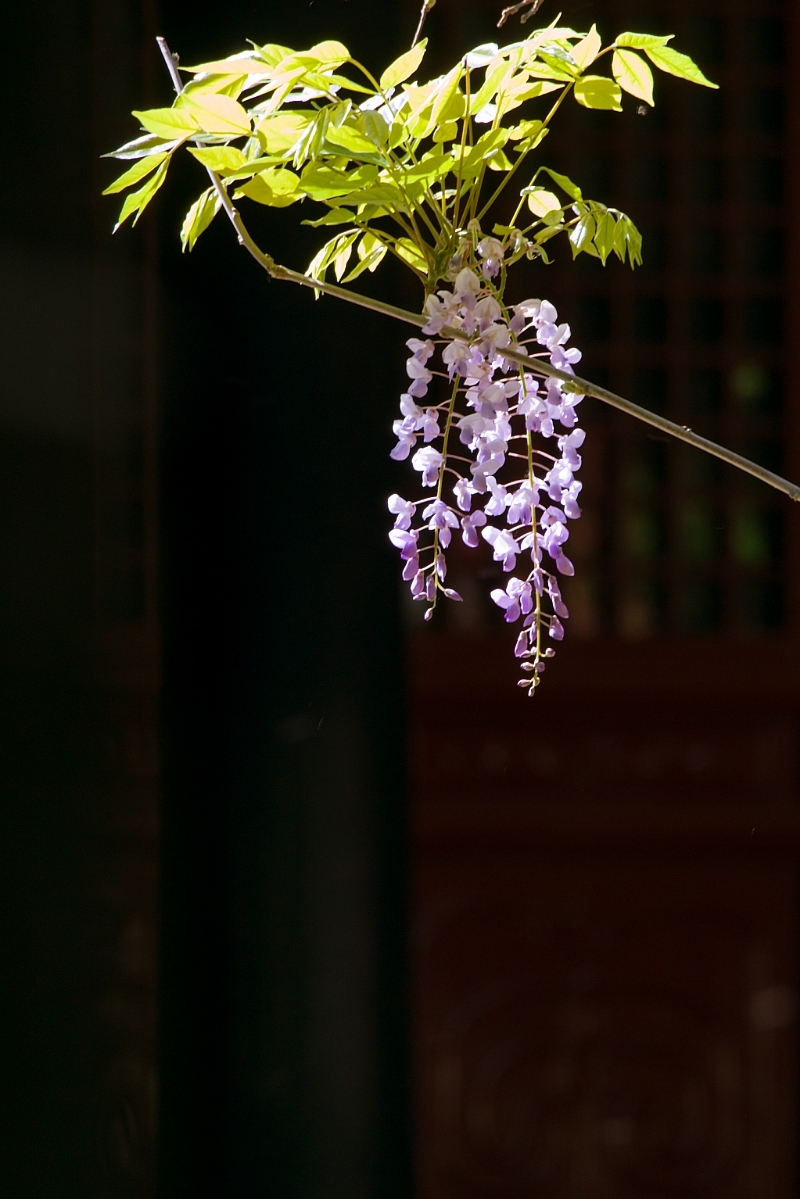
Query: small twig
{"points": [[538, 365], [427, 5], [172, 61], [534, 6]]}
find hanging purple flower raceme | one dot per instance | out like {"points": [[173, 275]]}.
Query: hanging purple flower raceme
{"points": [[519, 500]]}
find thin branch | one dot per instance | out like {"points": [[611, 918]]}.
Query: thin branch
{"points": [[537, 365], [427, 5], [534, 6]]}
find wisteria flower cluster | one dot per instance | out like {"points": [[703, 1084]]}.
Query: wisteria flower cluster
{"points": [[481, 451]]}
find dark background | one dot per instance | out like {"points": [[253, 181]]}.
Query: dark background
{"points": [[261, 605]]}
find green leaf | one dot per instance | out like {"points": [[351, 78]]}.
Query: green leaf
{"points": [[140, 147], [633, 75], [605, 228], [273, 54], [332, 249], [549, 231], [595, 91], [136, 202], [371, 251], [349, 138], [275, 187], [222, 159], [541, 201], [448, 132], [634, 239], [475, 156], [410, 253], [138, 171], [168, 122], [403, 67], [374, 127], [430, 167], [565, 183], [499, 161], [587, 50], [341, 259], [521, 90], [529, 134], [280, 132], [330, 54], [642, 41], [337, 216], [582, 235], [673, 63], [209, 85], [237, 65], [377, 193], [323, 183], [218, 114], [495, 77], [199, 217]]}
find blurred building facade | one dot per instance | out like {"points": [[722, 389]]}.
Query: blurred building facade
{"points": [[606, 876]]}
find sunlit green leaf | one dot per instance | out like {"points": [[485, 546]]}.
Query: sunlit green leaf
{"points": [[377, 193], [136, 202], [595, 91], [280, 132], [581, 236], [237, 65], [168, 122], [642, 41], [522, 89], [447, 132], [673, 63], [430, 167], [403, 67], [276, 187], [217, 114], [411, 254], [475, 156], [222, 159], [549, 231], [620, 239], [332, 249], [323, 182], [274, 54], [138, 171], [227, 85], [541, 201], [199, 217], [341, 259], [337, 216], [605, 227], [350, 139], [140, 147], [499, 161], [374, 128], [586, 51], [565, 183], [633, 75], [371, 251], [329, 54], [496, 75]]}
